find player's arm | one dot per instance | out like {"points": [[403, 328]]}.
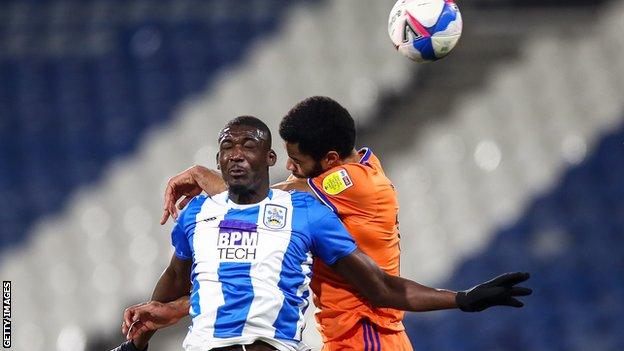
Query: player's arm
{"points": [[173, 284], [188, 184], [192, 181], [334, 245], [154, 315], [385, 290], [298, 184]]}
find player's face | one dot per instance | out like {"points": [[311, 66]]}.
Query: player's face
{"points": [[244, 157], [300, 164]]}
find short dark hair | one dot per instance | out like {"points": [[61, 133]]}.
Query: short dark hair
{"points": [[319, 125], [251, 121]]}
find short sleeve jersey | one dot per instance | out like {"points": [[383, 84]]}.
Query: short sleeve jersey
{"points": [[252, 265], [366, 202]]}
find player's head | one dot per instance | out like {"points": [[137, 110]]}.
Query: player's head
{"points": [[318, 133], [245, 154]]}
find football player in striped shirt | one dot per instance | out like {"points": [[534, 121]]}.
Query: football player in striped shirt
{"points": [[255, 294]]}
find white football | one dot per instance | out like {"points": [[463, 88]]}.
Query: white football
{"points": [[425, 30]]}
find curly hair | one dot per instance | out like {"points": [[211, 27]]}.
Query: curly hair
{"points": [[319, 124]]}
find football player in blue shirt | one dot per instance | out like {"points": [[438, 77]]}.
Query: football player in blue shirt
{"points": [[248, 252]]}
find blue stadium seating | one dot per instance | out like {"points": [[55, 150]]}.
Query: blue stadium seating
{"points": [[64, 116], [572, 240]]}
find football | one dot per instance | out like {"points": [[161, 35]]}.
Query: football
{"points": [[425, 30]]}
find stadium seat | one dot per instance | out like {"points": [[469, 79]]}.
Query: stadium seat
{"points": [[64, 116]]}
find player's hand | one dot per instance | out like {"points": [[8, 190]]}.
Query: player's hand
{"points": [[500, 291], [128, 346], [181, 185], [149, 316]]}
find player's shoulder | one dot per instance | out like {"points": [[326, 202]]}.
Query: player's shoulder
{"points": [[217, 201], [303, 201], [369, 158], [346, 178], [358, 175], [192, 209], [197, 201], [194, 205], [292, 198], [304, 208]]}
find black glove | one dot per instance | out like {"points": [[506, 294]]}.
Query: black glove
{"points": [[499, 291], [128, 346]]}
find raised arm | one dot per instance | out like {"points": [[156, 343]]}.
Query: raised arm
{"points": [[188, 184], [298, 184], [172, 284], [192, 181], [384, 290]]}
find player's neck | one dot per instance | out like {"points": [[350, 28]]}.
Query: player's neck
{"points": [[354, 157], [248, 196]]}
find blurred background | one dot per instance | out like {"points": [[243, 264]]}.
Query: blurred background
{"points": [[507, 155]]}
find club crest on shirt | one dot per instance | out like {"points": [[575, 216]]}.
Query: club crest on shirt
{"points": [[274, 216], [337, 182]]}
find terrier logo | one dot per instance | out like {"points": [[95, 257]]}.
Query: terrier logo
{"points": [[274, 216]]}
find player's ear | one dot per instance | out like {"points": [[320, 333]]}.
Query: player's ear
{"points": [[331, 159], [217, 159], [271, 158]]}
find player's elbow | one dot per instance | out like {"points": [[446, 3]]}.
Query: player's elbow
{"points": [[176, 277], [381, 298], [379, 294]]}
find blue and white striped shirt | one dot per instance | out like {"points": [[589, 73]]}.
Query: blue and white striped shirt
{"points": [[252, 265]]}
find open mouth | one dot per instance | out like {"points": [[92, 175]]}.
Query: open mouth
{"points": [[237, 171]]}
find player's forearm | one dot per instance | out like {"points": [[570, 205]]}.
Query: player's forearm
{"points": [[384, 290], [298, 184], [170, 287], [180, 308], [166, 315], [407, 295], [209, 180]]}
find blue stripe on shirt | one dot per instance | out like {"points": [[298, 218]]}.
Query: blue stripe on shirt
{"points": [[238, 294], [291, 275], [235, 279], [195, 310], [182, 237], [249, 215]]}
